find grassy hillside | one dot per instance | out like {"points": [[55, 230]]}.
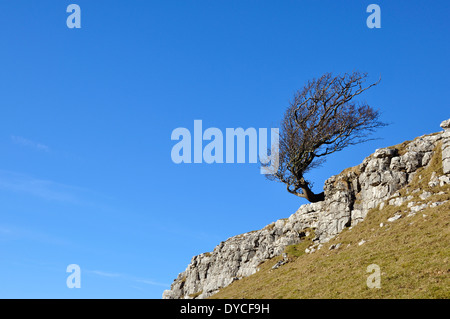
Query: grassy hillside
{"points": [[413, 253]]}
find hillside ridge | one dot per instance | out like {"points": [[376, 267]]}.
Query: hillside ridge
{"points": [[378, 181]]}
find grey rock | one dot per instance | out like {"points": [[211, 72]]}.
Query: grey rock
{"points": [[444, 180], [418, 208], [425, 195], [446, 147], [335, 246], [394, 218], [412, 160], [398, 201], [426, 158], [434, 180], [385, 152], [279, 264], [436, 204], [446, 166], [446, 125]]}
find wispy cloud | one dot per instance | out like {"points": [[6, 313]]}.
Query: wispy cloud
{"points": [[125, 277], [5, 231], [151, 282], [29, 143], [104, 273], [45, 189], [11, 233]]}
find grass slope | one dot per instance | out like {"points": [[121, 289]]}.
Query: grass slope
{"points": [[413, 254]]}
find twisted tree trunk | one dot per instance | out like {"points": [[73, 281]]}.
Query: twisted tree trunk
{"points": [[303, 190]]}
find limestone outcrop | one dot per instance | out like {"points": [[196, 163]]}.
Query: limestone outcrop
{"points": [[446, 147], [348, 198]]}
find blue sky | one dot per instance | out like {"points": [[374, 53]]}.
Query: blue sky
{"points": [[86, 117]]}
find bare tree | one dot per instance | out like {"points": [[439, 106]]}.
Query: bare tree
{"points": [[322, 118]]}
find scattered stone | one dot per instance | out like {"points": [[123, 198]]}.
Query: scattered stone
{"points": [[436, 204], [418, 208], [434, 180], [362, 242], [394, 218], [335, 246], [280, 263], [381, 224], [425, 195], [398, 201], [444, 180]]}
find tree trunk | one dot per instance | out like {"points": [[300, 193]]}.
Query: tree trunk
{"points": [[310, 196], [306, 192]]}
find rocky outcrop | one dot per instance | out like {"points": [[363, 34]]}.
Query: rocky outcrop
{"points": [[446, 147], [348, 198]]}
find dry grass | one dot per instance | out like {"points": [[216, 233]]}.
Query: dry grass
{"points": [[354, 169], [413, 254]]}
